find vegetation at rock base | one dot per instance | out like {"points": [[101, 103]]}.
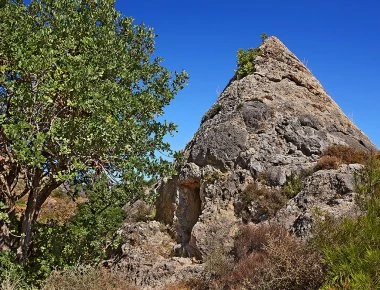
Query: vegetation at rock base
{"points": [[351, 246], [266, 257], [342, 253], [86, 277]]}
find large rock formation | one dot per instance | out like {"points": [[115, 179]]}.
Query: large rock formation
{"points": [[264, 132], [264, 128]]}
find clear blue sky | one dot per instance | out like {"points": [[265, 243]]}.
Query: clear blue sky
{"points": [[339, 40]]}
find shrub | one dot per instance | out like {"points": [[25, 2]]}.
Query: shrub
{"points": [[268, 200], [268, 257], [212, 176], [346, 154], [351, 250], [263, 37], [367, 183], [337, 154], [327, 162], [246, 61], [218, 263], [250, 239], [86, 277], [293, 185], [85, 238], [12, 275], [197, 283]]}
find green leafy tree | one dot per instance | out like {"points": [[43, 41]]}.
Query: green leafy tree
{"points": [[79, 95]]}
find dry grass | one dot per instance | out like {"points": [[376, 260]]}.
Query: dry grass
{"points": [[86, 277], [327, 162], [194, 284], [59, 207], [336, 155], [346, 154]]}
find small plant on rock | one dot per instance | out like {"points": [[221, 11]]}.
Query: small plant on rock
{"points": [[263, 37], [246, 61], [293, 185], [337, 154]]}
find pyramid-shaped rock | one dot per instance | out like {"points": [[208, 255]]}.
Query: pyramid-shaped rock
{"points": [[267, 126]]}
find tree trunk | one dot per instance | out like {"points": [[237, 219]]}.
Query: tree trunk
{"points": [[36, 199], [27, 225]]}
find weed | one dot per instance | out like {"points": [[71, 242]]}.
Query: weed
{"points": [[218, 263], [351, 246], [263, 37], [212, 176]]}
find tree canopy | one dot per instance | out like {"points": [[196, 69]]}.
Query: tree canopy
{"points": [[80, 94]]}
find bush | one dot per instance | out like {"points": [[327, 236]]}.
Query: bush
{"points": [[327, 162], [335, 155], [246, 61], [85, 238], [86, 277], [218, 263], [12, 275], [82, 240], [351, 251], [268, 257], [368, 183], [268, 200], [346, 154]]}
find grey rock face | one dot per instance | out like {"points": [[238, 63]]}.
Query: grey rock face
{"points": [[329, 192], [146, 257]]}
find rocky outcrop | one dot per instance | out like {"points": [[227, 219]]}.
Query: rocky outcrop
{"points": [[326, 192], [244, 164], [146, 260], [263, 128]]}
